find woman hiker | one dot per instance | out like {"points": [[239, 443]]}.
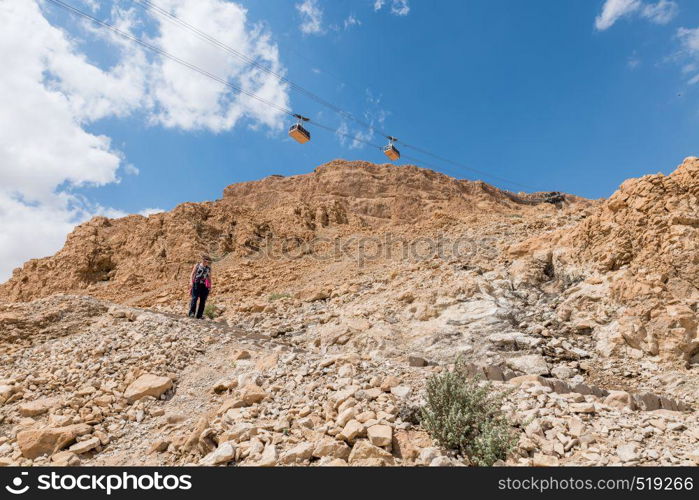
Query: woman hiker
{"points": [[200, 285]]}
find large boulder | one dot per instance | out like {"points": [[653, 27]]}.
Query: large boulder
{"points": [[48, 440], [147, 385], [532, 364]]}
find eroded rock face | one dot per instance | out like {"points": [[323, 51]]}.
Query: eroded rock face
{"points": [[145, 259], [642, 247]]}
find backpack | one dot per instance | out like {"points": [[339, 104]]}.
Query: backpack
{"points": [[202, 275]]}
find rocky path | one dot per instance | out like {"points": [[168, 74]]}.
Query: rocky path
{"points": [[112, 385], [142, 442]]}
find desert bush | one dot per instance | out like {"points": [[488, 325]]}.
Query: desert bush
{"points": [[277, 296], [210, 311], [464, 414]]}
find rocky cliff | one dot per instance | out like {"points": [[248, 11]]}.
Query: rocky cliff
{"points": [[640, 251]]}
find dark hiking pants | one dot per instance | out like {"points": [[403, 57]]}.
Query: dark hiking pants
{"points": [[200, 293]]}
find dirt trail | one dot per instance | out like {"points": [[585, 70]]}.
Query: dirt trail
{"points": [[193, 398]]}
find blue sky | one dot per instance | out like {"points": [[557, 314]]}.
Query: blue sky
{"points": [[574, 95], [529, 91]]}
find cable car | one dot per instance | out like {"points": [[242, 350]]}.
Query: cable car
{"points": [[297, 132], [390, 150]]}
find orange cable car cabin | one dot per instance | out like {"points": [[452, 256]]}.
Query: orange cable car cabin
{"points": [[300, 134], [297, 132], [391, 151]]}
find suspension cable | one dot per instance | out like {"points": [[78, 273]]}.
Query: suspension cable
{"points": [[252, 95]]}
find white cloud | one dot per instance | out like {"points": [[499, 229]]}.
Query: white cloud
{"points": [[351, 21], [634, 60], [30, 230], [50, 94], [150, 211], [353, 139], [374, 116], [689, 38], [311, 17], [91, 4], [398, 7], [191, 101], [661, 12], [42, 140], [613, 10], [129, 169]]}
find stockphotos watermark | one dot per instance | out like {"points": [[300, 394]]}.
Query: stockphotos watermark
{"points": [[370, 248], [100, 483]]}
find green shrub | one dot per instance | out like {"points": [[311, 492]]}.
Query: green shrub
{"points": [[277, 296], [210, 311], [464, 415]]}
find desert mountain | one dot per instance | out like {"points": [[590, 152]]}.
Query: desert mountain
{"points": [[123, 259], [336, 295]]}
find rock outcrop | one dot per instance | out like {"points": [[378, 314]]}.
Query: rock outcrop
{"points": [[639, 251], [145, 259]]}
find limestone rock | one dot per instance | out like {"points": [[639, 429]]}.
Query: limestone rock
{"points": [[389, 383], [365, 453], [620, 399], [407, 444], [582, 408], [223, 454], [417, 361], [297, 454], [628, 452], [380, 435], [6, 392], [65, 459], [240, 354], [242, 431], [540, 460], [147, 385], [401, 391], [352, 430], [48, 440], [533, 364], [224, 384], [37, 407], [251, 394], [85, 446], [328, 447], [269, 456]]}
